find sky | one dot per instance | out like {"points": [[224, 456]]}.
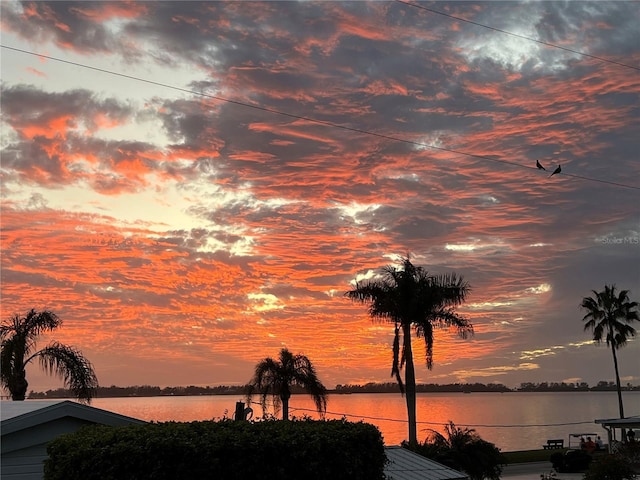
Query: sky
{"points": [[193, 186]]}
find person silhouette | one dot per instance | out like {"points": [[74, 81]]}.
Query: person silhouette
{"points": [[599, 443], [589, 446]]}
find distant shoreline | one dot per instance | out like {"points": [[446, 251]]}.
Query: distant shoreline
{"points": [[390, 388]]}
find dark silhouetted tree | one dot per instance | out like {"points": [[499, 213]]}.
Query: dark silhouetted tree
{"points": [[409, 298], [276, 378], [19, 336], [611, 467], [609, 315], [464, 450]]}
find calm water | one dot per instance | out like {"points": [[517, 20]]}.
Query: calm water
{"points": [[513, 421]]}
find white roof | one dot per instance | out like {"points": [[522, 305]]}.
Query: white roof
{"points": [[10, 409], [407, 465], [628, 422], [20, 415]]}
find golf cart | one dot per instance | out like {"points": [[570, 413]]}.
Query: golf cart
{"points": [[575, 459]]}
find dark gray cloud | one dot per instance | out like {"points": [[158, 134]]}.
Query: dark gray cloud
{"points": [[69, 23]]}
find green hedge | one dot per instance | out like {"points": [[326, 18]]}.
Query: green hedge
{"points": [[228, 450]]}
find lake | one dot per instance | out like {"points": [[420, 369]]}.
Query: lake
{"points": [[512, 421]]}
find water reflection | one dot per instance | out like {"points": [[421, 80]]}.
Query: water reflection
{"points": [[513, 421]]}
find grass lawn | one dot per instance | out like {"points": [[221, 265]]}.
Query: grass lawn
{"points": [[524, 456]]}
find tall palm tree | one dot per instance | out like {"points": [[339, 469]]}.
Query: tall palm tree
{"points": [[409, 297], [608, 317], [19, 336], [275, 378]]}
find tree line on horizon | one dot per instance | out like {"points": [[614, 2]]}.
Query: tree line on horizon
{"points": [[155, 391]]}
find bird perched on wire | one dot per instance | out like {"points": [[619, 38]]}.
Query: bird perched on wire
{"points": [[557, 170], [539, 165]]}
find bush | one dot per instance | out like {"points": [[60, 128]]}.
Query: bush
{"points": [[313, 450], [610, 467], [570, 461], [462, 449]]}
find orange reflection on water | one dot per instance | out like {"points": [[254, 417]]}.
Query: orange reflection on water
{"points": [[513, 421]]}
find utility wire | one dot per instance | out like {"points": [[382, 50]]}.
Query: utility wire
{"points": [[443, 424], [524, 37], [305, 118]]}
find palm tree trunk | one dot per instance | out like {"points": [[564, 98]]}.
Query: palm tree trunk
{"points": [[285, 407], [615, 365], [18, 386], [410, 384]]}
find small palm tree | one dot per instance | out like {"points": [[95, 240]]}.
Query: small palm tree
{"points": [[275, 378], [410, 298], [463, 449], [18, 336], [608, 317]]}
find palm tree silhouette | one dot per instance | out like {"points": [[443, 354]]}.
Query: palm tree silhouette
{"points": [[463, 449], [275, 378], [608, 317], [19, 336], [410, 297]]}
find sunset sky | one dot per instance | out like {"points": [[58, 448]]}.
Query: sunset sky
{"points": [[193, 186]]}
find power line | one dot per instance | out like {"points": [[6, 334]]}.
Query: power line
{"points": [[305, 118], [598, 180], [444, 424], [397, 420], [524, 37]]}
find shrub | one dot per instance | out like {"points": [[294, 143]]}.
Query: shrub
{"points": [[610, 467], [228, 450], [463, 449], [557, 460], [570, 461]]}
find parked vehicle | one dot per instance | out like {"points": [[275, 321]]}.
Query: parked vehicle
{"points": [[572, 461]]}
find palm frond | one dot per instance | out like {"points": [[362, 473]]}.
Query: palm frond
{"points": [[7, 360], [608, 315], [427, 333], [304, 375], [410, 295], [38, 322], [69, 364], [275, 377], [395, 366]]}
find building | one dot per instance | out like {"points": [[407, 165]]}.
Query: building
{"points": [[407, 465], [26, 428], [612, 425]]}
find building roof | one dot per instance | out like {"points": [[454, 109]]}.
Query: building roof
{"points": [[16, 416], [628, 422], [11, 409], [407, 465]]}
